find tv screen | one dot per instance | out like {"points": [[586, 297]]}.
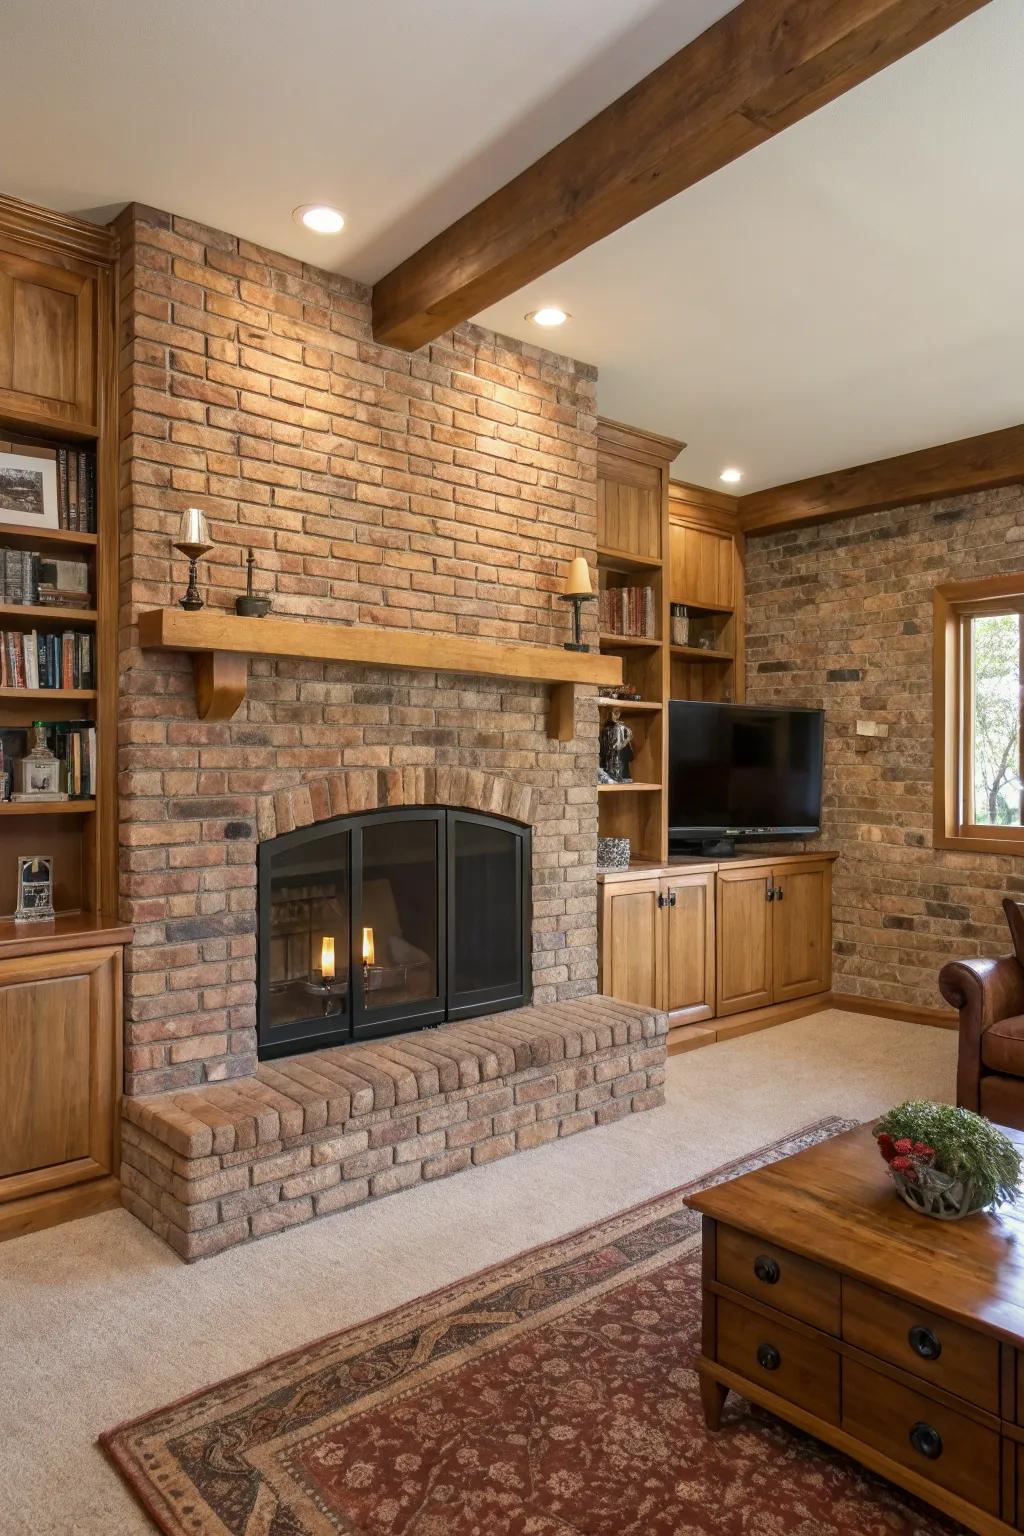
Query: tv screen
{"points": [[743, 769]]}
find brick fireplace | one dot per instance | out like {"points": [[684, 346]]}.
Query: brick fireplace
{"points": [[441, 491]]}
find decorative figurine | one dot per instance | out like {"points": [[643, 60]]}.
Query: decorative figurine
{"points": [[616, 748], [577, 590], [251, 606], [37, 774], [193, 540], [35, 889]]}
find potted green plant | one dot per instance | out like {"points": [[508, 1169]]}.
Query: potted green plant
{"points": [[947, 1162]]}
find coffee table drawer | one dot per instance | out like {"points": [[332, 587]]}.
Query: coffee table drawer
{"points": [[779, 1359], [936, 1442], [941, 1352], [778, 1278]]}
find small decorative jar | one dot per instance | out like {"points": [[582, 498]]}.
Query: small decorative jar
{"points": [[612, 853]]}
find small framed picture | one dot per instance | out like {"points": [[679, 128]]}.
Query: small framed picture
{"points": [[35, 888], [28, 489]]}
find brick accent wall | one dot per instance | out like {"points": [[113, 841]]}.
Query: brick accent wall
{"points": [[442, 490], [840, 615]]}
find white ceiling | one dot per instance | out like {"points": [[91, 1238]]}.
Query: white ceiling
{"points": [[851, 290], [402, 113]]}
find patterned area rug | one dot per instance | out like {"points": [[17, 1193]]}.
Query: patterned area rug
{"points": [[552, 1395]]}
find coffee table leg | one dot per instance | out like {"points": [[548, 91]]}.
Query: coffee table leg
{"points": [[713, 1396]]}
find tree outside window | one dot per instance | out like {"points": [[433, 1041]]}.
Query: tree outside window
{"points": [[995, 719]]}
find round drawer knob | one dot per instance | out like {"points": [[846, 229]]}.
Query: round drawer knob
{"points": [[926, 1440], [766, 1269], [925, 1343], [768, 1357]]}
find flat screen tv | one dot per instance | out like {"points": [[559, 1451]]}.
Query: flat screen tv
{"points": [[742, 771]]}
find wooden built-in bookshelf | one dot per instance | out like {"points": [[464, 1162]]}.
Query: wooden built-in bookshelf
{"points": [[684, 543], [61, 980]]}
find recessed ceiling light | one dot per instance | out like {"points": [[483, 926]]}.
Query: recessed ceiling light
{"points": [[731, 476], [549, 315], [319, 217]]}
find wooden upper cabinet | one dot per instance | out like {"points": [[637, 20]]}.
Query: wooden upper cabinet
{"points": [[59, 1069], [631, 939], [802, 922], [629, 508], [744, 921], [703, 566], [48, 310]]}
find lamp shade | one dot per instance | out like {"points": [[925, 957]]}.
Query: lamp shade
{"points": [[577, 579]]}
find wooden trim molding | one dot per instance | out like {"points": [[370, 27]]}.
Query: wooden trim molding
{"points": [[954, 603], [60, 231], [908, 1013], [763, 66], [952, 469]]}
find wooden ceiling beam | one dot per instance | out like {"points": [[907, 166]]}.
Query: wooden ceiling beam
{"points": [[970, 464], [762, 67]]}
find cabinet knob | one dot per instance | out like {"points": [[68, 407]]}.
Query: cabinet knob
{"points": [[766, 1269], [926, 1440], [924, 1342], [768, 1357]]}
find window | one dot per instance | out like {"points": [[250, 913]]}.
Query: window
{"points": [[979, 673]]}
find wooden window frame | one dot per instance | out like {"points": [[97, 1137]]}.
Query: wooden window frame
{"points": [[954, 604]]}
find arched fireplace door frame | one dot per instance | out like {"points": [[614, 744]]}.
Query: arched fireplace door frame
{"points": [[354, 1016]]}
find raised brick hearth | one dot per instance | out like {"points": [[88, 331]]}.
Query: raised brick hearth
{"points": [[308, 1135]]}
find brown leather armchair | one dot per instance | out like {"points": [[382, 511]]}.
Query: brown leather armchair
{"points": [[990, 997]]}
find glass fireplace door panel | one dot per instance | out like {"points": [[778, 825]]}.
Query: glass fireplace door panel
{"points": [[399, 904], [488, 934], [306, 951]]}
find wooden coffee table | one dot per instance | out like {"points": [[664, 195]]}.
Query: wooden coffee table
{"points": [[893, 1337]]}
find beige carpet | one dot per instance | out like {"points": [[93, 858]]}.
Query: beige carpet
{"points": [[99, 1322]]}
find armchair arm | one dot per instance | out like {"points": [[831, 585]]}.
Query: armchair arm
{"points": [[984, 991]]}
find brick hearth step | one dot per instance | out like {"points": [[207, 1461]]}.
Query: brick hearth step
{"points": [[308, 1135]]}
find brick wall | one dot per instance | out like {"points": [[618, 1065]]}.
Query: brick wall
{"points": [[840, 615], [442, 490]]}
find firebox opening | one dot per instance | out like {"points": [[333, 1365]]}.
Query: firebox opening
{"points": [[390, 921]]}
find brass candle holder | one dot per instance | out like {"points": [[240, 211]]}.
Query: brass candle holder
{"points": [[194, 541]]}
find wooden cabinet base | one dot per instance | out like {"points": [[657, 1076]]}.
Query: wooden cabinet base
{"points": [[37, 1212]]}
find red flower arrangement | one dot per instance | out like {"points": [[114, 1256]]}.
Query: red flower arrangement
{"points": [[905, 1156]]}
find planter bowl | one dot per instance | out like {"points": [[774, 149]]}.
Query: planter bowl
{"points": [[938, 1195]]}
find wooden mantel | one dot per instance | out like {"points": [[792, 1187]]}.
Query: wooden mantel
{"points": [[221, 644]]}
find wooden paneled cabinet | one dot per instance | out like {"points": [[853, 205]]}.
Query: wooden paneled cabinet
{"points": [[720, 938], [658, 943], [60, 1076], [48, 310]]}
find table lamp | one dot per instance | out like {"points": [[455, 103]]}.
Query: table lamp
{"points": [[193, 540], [577, 590]]}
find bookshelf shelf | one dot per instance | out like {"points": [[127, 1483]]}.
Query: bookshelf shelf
{"points": [[33, 538], [627, 789], [54, 694], [31, 614], [700, 653], [625, 560], [48, 808], [628, 643], [632, 706]]}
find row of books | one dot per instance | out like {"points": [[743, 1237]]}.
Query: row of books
{"points": [[76, 489], [72, 742], [37, 660], [28, 577], [627, 611]]}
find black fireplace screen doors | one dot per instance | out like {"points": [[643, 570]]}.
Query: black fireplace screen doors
{"points": [[390, 921]]}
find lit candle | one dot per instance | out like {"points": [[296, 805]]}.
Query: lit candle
{"points": [[327, 959], [368, 946]]}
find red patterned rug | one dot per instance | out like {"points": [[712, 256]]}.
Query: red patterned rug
{"points": [[552, 1395]]}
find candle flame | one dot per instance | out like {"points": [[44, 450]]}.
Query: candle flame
{"points": [[368, 955], [327, 958]]}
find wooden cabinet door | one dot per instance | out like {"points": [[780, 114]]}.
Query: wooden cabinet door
{"points": [[802, 930], [703, 566], [629, 507], [47, 341], [59, 1069], [631, 941], [744, 923], [688, 952]]}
